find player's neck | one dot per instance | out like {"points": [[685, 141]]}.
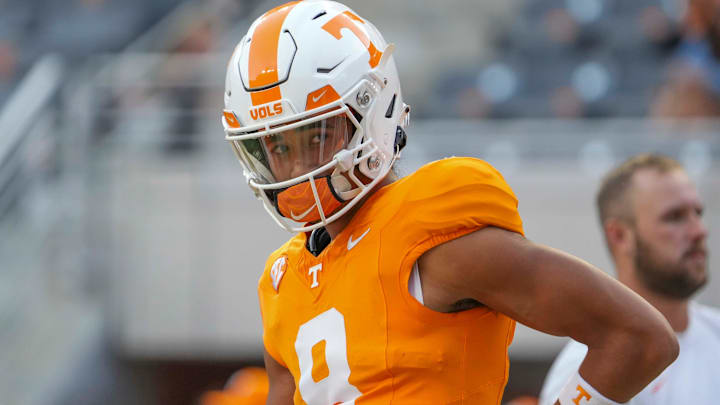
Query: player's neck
{"points": [[334, 228], [675, 310]]}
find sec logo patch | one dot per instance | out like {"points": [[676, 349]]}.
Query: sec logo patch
{"points": [[278, 271]]}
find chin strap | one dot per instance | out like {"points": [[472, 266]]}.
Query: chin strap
{"points": [[342, 188], [400, 135], [318, 240]]}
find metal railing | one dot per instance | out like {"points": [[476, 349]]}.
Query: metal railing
{"points": [[26, 127]]}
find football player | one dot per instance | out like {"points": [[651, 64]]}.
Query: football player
{"points": [[400, 290]]}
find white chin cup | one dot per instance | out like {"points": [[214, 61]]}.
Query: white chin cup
{"points": [[342, 187]]}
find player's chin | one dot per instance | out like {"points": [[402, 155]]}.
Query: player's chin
{"points": [[697, 271], [696, 261]]}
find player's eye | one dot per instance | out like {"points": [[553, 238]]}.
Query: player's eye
{"points": [[279, 149], [315, 140], [674, 216]]}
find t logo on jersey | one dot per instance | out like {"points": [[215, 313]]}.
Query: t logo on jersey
{"points": [[581, 394], [278, 271], [313, 272]]}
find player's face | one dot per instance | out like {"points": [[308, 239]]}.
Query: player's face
{"points": [[671, 251], [298, 151]]}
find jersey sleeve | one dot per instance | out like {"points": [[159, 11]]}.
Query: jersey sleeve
{"points": [[456, 194], [266, 295]]}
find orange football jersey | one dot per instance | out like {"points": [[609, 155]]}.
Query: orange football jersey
{"points": [[344, 322]]}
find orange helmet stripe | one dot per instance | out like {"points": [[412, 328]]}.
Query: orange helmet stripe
{"points": [[266, 96], [263, 69]]}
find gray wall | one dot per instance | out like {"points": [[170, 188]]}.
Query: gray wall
{"points": [[186, 241]]}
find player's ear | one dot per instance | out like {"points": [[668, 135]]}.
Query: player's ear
{"points": [[620, 236]]}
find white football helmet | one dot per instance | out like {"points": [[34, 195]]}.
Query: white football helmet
{"points": [[313, 111]]}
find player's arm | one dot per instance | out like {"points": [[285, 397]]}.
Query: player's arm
{"points": [[282, 384], [629, 342]]}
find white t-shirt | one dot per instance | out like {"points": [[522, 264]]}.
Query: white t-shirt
{"points": [[694, 377]]}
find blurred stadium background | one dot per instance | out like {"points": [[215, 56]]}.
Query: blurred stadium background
{"points": [[130, 246]]}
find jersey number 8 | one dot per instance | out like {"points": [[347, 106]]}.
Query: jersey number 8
{"points": [[321, 347]]}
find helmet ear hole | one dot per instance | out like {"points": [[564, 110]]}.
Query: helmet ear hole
{"points": [[400, 139], [391, 107]]}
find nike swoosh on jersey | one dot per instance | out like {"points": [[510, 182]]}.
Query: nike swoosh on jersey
{"points": [[315, 99], [302, 215], [352, 243]]}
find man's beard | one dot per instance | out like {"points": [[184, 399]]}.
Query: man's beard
{"points": [[672, 280]]}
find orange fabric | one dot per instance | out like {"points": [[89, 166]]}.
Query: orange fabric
{"points": [[320, 97], [220, 398], [298, 201], [346, 20], [398, 351], [263, 69], [248, 386], [320, 368]]}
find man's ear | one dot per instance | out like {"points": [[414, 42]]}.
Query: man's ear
{"points": [[620, 236]]}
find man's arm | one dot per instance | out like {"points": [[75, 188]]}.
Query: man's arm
{"points": [[282, 384], [629, 342]]}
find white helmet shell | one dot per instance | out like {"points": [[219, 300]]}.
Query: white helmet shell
{"points": [[307, 61]]}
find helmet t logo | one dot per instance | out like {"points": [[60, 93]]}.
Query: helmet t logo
{"points": [[345, 20]]}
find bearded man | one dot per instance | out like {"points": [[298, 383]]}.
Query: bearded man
{"points": [[651, 216]]}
